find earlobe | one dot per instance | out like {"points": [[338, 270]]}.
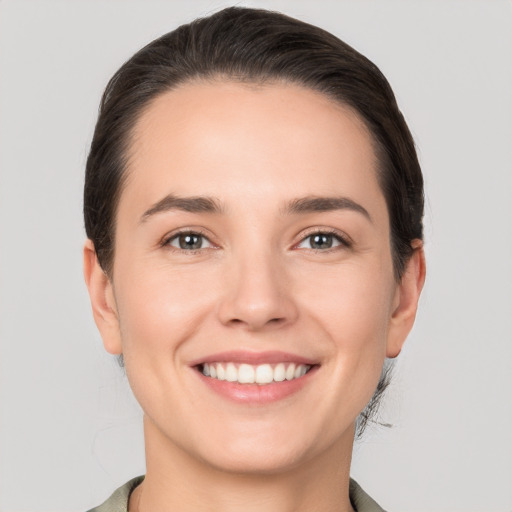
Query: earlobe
{"points": [[102, 300], [406, 302]]}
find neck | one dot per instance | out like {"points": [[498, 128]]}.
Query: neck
{"points": [[179, 482]]}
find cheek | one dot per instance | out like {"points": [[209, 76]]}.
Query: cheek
{"points": [[353, 301], [159, 307], [159, 310], [353, 307]]}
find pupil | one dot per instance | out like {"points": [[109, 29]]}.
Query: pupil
{"points": [[321, 241], [190, 241]]}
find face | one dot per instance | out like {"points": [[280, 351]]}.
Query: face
{"points": [[252, 294]]}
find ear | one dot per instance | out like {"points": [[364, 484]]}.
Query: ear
{"points": [[103, 303], [406, 300]]}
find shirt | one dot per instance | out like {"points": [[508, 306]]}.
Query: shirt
{"points": [[118, 502]]}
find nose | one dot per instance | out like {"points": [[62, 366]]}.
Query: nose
{"points": [[258, 294]]}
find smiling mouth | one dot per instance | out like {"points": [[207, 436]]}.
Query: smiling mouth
{"points": [[261, 374]]}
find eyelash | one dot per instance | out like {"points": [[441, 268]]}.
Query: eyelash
{"points": [[166, 242], [344, 241]]}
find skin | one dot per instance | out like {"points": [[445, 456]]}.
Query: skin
{"points": [[257, 285]]}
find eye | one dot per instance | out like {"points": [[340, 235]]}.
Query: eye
{"points": [[189, 241], [322, 241]]}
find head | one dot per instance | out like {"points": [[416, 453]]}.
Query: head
{"points": [[255, 47], [209, 77]]}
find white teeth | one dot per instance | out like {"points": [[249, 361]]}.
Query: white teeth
{"points": [[279, 373], [290, 372], [231, 373], [246, 374], [264, 374], [250, 374], [220, 372]]}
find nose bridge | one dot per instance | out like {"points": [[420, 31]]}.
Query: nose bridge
{"points": [[256, 292]]}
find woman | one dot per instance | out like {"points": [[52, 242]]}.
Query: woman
{"points": [[253, 203]]}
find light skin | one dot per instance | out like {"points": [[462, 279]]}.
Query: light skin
{"points": [[278, 186]]}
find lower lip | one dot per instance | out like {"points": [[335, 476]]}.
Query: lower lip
{"points": [[256, 393]]}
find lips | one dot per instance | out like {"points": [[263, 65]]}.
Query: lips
{"points": [[252, 377], [254, 358]]}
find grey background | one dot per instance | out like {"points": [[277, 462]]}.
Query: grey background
{"points": [[70, 430]]}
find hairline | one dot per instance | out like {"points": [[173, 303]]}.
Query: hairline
{"points": [[379, 154]]}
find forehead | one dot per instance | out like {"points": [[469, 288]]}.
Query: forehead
{"points": [[233, 140]]}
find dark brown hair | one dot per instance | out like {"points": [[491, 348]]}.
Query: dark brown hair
{"points": [[259, 46], [256, 46]]}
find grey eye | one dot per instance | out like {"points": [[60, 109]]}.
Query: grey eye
{"points": [[189, 241], [319, 241]]}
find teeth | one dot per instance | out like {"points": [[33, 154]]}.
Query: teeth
{"points": [[246, 374], [298, 372], [264, 374], [279, 372], [259, 374], [231, 373], [290, 372]]}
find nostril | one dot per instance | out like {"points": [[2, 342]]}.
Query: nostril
{"points": [[255, 324]]}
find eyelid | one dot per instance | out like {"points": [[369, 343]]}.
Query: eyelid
{"points": [[165, 242], [343, 238]]}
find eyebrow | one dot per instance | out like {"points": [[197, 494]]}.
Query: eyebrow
{"points": [[204, 204], [198, 204], [311, 204]]}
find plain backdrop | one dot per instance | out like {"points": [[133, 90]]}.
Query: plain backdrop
{"points": [[70, 428]]}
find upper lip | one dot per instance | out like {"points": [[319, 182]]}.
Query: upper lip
{"points": [[254, 358]]}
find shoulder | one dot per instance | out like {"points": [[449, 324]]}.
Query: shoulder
{"points": [[361, 501], [118, 502]]}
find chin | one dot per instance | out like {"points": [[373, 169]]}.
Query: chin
{"points": [[266, 451], [256, 460]]}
